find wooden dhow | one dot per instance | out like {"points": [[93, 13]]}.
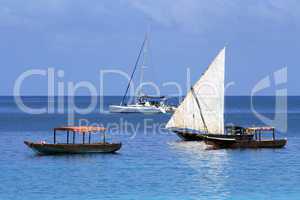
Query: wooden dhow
{"points": [[200, 116], [201, 112]]}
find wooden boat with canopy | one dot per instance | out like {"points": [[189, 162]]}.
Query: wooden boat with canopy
{"points": [[200, 116], [247, 138], [71, 147]]}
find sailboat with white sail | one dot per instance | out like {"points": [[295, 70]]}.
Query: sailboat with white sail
{"points": [[201, 115], [202, 111], [143, 103]]}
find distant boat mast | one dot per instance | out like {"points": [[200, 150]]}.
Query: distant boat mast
{"points": [[143, 65], [134, 69]]}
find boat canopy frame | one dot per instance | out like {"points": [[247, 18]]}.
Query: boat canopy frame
{"points": [[258, 131], [80, 130]]}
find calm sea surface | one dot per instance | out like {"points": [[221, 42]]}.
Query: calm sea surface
{"points": [[152, 164]]}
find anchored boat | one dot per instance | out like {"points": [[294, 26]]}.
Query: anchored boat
{"points": [[200, 116], [247, 138], [201, 112], [71, 147], [143, 103]]}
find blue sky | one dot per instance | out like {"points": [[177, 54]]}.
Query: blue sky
{"points": [[82, 37]]}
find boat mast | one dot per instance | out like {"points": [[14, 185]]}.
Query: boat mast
{"points": [[134, 69], [144, 64], [198, 104]]}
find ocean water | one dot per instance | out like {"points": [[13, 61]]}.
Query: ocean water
{"points": [[152, 164]]}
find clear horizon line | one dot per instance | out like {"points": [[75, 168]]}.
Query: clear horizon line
{"points": [[135, 96]]}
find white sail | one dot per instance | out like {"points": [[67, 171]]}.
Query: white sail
{"points": [[209, 90]]}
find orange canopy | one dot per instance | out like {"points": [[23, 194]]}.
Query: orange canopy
{"points": [[264, 128], [81, 129]]}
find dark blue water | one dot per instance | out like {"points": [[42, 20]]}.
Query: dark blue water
{"points": [[152, 164]]}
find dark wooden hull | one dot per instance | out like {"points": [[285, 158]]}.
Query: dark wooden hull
{"points": [[50, 149], [233, 144], [189, 136]]}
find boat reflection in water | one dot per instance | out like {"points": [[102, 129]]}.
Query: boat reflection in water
{"points": [[208, 168]]}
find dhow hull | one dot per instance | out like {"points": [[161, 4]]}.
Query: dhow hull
{"points": [[192, 136]]}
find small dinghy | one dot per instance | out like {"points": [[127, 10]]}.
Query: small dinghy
{"points": [[71, 147]]}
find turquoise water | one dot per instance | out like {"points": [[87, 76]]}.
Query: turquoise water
{"points": [[152, 164]]}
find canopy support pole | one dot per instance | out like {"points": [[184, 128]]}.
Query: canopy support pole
{"points": [[73, 137], [83, 137], [89, 137], [54, 137], [68, 137]]}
